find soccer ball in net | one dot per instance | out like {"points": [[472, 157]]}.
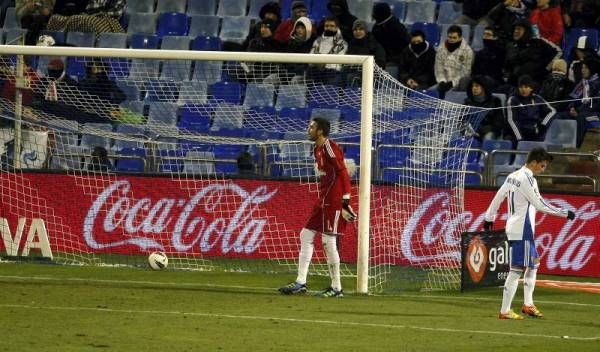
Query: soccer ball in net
{"points": [[158, 260]]}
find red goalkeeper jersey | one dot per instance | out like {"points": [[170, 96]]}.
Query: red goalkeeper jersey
{"points": [[334, 181]]}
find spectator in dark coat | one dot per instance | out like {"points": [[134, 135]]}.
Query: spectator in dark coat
{"points": [[300, 42], [265, 42], [475, 11], [479, 94], [416, 63], [97, 83], [557, 86], [389, 32], [364, 43], [339, 9], [526, 55], [581, 13], [270, 11], [505, 15], [489, 61], [528, 114], [583, 49], [586, 109]]}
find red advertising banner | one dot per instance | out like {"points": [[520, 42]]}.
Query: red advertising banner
{"points": [[260, 219]]}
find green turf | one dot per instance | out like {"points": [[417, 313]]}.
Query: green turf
{"points": [[70, 308]]}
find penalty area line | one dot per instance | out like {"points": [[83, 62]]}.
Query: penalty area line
{"points": [[294, 320]]}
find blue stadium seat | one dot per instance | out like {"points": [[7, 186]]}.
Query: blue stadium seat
{"points": [[13, 35], [527, 146], [401, 136], [477, 42], [207, 43], [59, 37], [144, 69], [176, 69], [300, 114], [145, 6], [399, 9], [142, 23], [228, 116], [135, 131], [431, 30], [170, 160], [232, 7], [91, 139], [112, 40], [164, 6], [259, 95], [175, 42], [195, 92], [162, 113], [203, 25], [255, 6], [202, 7], [466, 31], [65, 142], [195, 118], [228, 92], [361, 9], [199, 162], [172, 23], [562, 132], [570, 40], [291, 96], [131, 165], [350, 114], [420, 11], [449, 12], [324, 96], [318, 11], [81, 39], [494, 144], [207, 71], [161, 90], [10, 19], [235, 28], [131, 90], [456, 96]]}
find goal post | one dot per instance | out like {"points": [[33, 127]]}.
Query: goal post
{"points": [[177, 126]]}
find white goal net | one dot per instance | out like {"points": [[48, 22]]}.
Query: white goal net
{"points": [[108, 155]]}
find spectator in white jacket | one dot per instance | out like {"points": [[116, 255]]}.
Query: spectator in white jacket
{"points": [[330, 42], [453, 62]]}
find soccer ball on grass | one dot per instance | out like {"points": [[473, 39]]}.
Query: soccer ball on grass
{"points": [[158, 260]]}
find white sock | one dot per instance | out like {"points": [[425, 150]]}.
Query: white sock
{"points": [[306, 251], [333, 260], [529, 285], [510, 288]]}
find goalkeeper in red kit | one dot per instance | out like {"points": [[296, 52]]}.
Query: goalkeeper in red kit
{"points": [[331, 213]]}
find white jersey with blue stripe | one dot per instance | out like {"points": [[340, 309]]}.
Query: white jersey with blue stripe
{"points": [[523, 198]]}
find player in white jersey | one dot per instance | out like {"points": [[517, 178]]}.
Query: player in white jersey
{"points": [[523, 199]]}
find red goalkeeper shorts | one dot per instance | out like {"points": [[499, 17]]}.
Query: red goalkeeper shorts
{"points": [[326, 219]]}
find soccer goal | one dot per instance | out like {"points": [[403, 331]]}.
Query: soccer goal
{"points": [[111, 154]]}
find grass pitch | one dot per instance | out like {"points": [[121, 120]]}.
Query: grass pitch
{"points": [[68, 308]]}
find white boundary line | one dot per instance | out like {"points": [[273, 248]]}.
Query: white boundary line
{"points": [[273, 289], [309, 321]]}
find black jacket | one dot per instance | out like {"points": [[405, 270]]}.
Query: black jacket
{"points": [[494, 120], [418, 66], [367, 46], [393, 37], [345, 19], [489, 61], [557, 87]]}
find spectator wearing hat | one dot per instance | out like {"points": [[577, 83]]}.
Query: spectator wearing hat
{"points": [[505, 15], [526, 55], [528, 114], [265, 42], [586, 109], [416, 63], [453, 61], [270, 11], [557, 86], [34, 15], [489, 61], [364, 43], [340, 10], [548, 20], [300, 42], [479, 94], [583, 49], [285, 30], [389, 32]]}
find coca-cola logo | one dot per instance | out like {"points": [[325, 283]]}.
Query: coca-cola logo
{"points": [[218, 216]]}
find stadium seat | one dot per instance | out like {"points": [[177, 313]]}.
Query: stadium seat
{"points": [[195, 92], [477, 42], [195, 118], [350, 114], [199, 162], [292, 96], [259, 95], [144, 6], [318, 10], [134, 131], [170, 160], [91, 139], [455, 96], [500, 96], [449, 12], [203, 25], [202, 7], [59, 37], [292, 113], [180, 70], [466, 30], [207, 71], [112, 40], [144, 41], [255, 6], [207, 43], [131, 90], [324, 96], [235, 28], [134, 164], [527, 146], [10, 19], [232, 8], [162, 113], [562, 132], [81, 39], [66, 141], [361, 9], [420, 11], [161, 90], [176, 42], [228, 92], [13, 35], [142, 23], [490, 145], [431, 30], [164, 6], [398, 9], [144, 69], [570, 40], [172, 23], [227, 116]]}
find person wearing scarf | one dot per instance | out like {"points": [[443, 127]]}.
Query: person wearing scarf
{"points": [[453, 61], [586, 109], [416, 63]]}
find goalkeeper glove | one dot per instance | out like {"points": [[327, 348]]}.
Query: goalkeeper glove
{"points": [[570, 215], [347, 213], [488, 225]]}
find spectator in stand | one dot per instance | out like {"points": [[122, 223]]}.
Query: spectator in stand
{"points": [[584, 49], [479, 94], [364, 43], [270, 11], [330, 42], [99, 160], [301, 42], [557, 86], [416, 63], [265, 42], [9, 86], [389, 32], [34, 15], [97, 83], [505, 15], [339, 9], [581, 13], [475, 11], [453, 62], [528, 114], [526, 55], [99, 16], [586, 109], [489, 61], [285, 30], [548, 21]]}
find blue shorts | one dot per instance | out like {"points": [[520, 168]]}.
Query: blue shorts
{"points": [[523, 253]]}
